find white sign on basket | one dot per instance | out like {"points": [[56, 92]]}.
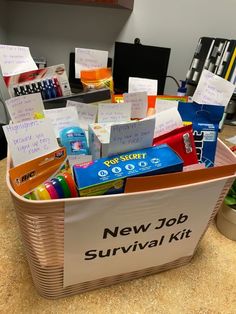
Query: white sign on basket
{"points": [[108, 236], [15, 60]]}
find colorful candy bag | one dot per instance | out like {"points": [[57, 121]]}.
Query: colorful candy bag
{"points": [[97, 79], [205, 120], [182, 142]]}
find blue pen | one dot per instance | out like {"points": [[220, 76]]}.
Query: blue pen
{"points": [[56, 184]]}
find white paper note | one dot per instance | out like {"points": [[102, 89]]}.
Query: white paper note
{"points": [[89, 59], [137, 84], [126, 137], [213, 90], [15, 60], [30, 139], [166, 121], [162, 104], [114, 112], [87, 113], [23, 108], [139, 102], [62, 118]]}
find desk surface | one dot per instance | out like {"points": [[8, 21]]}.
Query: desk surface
{"points": [[206, 285]]}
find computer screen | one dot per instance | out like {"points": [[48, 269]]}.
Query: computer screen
{"points": [[137, 60]]}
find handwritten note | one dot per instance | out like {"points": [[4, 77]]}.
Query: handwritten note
{"points": [[62, 118], [89, 59], [167, 121], [23, 108], [15, 60], [87, 113], [30, 139], [162, 104], [137, 84], [114, 112], [213, 90], [126, 137], [139, 104]]}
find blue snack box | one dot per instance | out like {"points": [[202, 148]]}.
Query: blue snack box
{"points": [[107, 175]]}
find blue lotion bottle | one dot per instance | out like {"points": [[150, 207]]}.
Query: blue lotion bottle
{"points": [[74, 140]]}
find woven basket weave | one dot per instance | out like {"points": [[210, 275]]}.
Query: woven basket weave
{"points": [[42, 227]]}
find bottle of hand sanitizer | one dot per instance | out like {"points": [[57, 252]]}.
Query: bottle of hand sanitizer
{"points": [[182, 89]]}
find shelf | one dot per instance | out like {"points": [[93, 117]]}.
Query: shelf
{"points": [[118, 4]]}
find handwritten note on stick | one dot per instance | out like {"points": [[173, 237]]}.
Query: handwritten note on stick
{"points": [[139, 102], [162, 104], [114, 112], [213, 90], [15, 60], [30, 139], [137, 84], [126, 137], [87, 113], [167, 121], [89, 59], [23, 108], [62, 118]]}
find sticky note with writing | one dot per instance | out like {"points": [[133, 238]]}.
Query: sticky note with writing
{"points": [[163, 104], [213, 90], [89, 59], [139, 104], [137, 84], [30, 139], [87, 113], [23, 108], [16, 60], [167, 121], [62, 118], [130, 136], [114, 112]]}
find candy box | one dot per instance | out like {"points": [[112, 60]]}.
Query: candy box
{"points": [[108, 175]]}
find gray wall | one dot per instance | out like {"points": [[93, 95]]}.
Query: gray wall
{"points": [[54, 30], [3, 19]]}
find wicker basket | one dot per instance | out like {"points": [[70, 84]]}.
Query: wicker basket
{"points": [[42, 227]]}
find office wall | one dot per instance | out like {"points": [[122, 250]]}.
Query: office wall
{"points": [[3, 19], [54, 30]]}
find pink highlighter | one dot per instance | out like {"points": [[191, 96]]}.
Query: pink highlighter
{"points": [[51, 190]]}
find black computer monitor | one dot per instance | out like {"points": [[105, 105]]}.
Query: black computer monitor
{"points": [[137, 60]]}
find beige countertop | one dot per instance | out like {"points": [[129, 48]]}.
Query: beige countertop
{"points": [[206, 285]]}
